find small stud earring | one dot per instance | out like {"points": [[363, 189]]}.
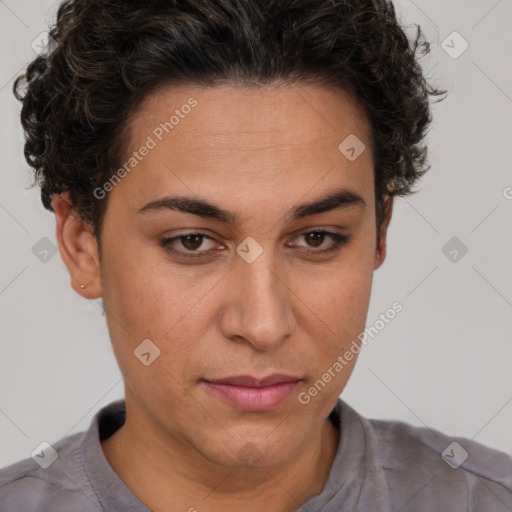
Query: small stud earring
{"points": [[82, 286]]}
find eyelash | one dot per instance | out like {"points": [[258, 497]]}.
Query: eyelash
{"points": [[338, 242]]}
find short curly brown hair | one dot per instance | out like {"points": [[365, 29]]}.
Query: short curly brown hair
{"points": [[110, 55]]}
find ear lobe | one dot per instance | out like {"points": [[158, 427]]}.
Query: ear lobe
{"points": [[78, 248], [380, 252]]}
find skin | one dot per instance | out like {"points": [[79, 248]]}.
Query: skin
{"points": [[258, 152]]}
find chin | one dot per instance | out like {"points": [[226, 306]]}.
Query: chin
{"points": [[257, 453]]}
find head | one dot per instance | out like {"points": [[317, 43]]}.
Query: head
{"points": [[223, 175]]}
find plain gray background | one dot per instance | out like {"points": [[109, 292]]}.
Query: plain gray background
{"points": [[445, 361]]}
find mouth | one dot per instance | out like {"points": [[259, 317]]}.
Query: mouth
{"points": [[254, 394]]}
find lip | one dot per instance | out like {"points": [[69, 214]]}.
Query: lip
{"points": [[254, 394]]}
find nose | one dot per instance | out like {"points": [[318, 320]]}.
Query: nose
{"points": [[259, 309]]}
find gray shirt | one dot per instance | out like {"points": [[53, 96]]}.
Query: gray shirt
{"points": [[379, 466]]}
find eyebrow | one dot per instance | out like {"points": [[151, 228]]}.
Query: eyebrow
{"points": [[339, 199]]}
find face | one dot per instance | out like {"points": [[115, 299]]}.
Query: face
{"points": [[220, 247]]}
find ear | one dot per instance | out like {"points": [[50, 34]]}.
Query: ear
{"points": [[78, 248], [380, 252]]}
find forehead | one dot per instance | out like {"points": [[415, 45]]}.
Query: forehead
{"points": [[275, 139], [254, 115]]}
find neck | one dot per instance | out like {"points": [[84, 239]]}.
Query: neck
{"points": [[165, 474]]}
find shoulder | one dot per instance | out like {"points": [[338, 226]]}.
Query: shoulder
{"points": [[423, 464], [446, 452], [52, 479]]}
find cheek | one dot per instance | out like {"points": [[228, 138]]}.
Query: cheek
{"points": [[339, 293], [148, 298], [146, 301], [338, 301], [335, 344], [342, 307], [144, 290]]}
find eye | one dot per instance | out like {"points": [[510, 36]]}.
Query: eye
{"points": [[189, 244], [317, 238]]}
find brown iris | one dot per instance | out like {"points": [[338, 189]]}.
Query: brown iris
{"points": [[315, 238], [192, 241]]}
